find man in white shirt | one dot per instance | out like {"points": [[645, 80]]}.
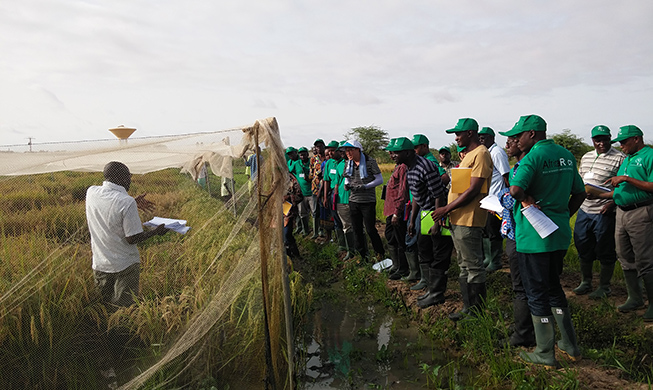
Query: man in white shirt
{"points": [[115, 227], [492, 240]]}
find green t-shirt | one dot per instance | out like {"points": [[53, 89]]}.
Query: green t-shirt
{"points": [[548, 173], [639, 166], [300, 171]]}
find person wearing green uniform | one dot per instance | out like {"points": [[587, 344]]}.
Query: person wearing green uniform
{"points": [[421, 143], [302, 171], [548, 180], [633, 194], [329, 176], [291, 156], [342, 204]]}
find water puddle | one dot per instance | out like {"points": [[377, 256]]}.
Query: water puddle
{"points": [[349, 344]]}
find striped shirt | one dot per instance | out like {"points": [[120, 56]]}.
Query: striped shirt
{"points": [[596, 169], [424, 183]]}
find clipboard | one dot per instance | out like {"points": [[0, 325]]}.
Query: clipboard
{"points": [[426, 222]]}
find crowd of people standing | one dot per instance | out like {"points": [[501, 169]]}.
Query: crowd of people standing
{"points": [[433, 206]]}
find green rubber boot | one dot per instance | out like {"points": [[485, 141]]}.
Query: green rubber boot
{"points": [[544, 353], [413, 264], [648, 284], [604, 282], [567, 344], [342, 244], [349, 242], [585, 285], [635, 300], [306, 225], [316, 228], [422, 284]]}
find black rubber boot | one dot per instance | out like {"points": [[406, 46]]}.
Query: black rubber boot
{"points": [[464, 290], [422, 284], [413, 265], [437, 287], [523, 334], [477, 297]]}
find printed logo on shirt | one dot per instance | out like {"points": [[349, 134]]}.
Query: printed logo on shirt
{"points": [[558, 165]]}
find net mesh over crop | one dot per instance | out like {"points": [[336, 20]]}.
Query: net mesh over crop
{"points": [[214, 304]]}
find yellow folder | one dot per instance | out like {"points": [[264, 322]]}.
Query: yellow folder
{"points": [[460, 179]]}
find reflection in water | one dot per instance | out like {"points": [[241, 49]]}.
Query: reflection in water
{"points": [[352, 345]]}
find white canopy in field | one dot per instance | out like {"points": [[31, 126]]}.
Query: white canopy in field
{"points": [[142, 155]]}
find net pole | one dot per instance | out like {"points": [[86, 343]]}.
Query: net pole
{"points": [[269, 380]]}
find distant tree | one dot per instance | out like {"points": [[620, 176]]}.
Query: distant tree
{"points": [[572, 143], [372, 138], [454, 152]]}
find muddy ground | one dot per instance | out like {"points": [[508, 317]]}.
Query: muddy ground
{"points": [[590, 374]]}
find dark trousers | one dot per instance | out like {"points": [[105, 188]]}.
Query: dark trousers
{"points": [[541, 277], [396, 237], [435, 250], [288, 237], [594, 238], [364, 215], [515, 275]]}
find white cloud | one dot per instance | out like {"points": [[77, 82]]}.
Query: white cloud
{"points": [[318, 66]]}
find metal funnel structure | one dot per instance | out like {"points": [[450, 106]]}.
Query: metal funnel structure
{"points": [[122, 132]]}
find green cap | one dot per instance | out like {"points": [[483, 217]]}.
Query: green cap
{"points": [[333, 144], [486, 130], [290, 149], [464, 124], [626, 132], [302, 149], [341, 143], [444, 148], [420, 139], [391, 144], [526, 123], [461, 148], [600, 130], [399, 144], [317, 141]]}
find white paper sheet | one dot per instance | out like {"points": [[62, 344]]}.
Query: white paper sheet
{"points": [[542, 224], [176, 225], [491, 202]]}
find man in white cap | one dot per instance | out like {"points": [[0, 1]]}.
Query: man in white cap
{"points": [[362, 176]]}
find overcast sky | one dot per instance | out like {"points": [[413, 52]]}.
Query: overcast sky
{"points": [[70, 69]]}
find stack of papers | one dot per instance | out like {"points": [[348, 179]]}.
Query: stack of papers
{"points": [[176, 225], [542, 224], [491, 202]]}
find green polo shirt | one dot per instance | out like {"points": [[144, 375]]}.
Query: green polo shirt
{"points": [[300, 171], [638, 165], [430, 156], [343, 195], [548, 173], [330, 172]]}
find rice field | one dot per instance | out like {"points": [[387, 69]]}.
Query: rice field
{"points": [[51, 320]]}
